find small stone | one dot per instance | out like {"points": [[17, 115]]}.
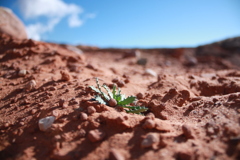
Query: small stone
{"points": [[112, 102], [90, 66], [187, 131], [83, 116], [31, 85], [142, 61], [172, 91], [52, 88], [115, 155], [164, 126], [22, 73], [33, 111], [149, 124], [46, 123], [91, 110], [62, 103], [190, 61], [115, 80], [82, 132], [120, 83], [139, 96], [210, 131], [150, 116], [150, 72], [96, 135], [151, 140], [65, 76], [55, 113], [126, 80], [6, 125]]}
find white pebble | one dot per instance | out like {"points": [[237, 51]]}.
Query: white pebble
{"points": [[46, 123], [151, 72], [32, 84], [22, 73], [150, 140]]}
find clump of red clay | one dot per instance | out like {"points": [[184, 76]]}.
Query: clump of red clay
{"points": [[193, 104]]}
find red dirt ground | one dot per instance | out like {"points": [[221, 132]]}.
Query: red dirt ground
{"points": [[193, 101]]}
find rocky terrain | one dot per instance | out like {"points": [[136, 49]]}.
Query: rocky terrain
{"points": [[192, 96], [48, 111]]}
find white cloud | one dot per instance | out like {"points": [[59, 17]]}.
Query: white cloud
{"points": [[74, 21], [35, 31], [91, 15], [53, 10]]}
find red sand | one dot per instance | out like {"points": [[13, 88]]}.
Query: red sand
{"points": [[193, 101]]}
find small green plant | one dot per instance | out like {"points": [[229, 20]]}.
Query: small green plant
{"points": [[115, 98]]}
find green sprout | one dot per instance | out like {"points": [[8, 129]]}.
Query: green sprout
{"points": [[115, 98]]}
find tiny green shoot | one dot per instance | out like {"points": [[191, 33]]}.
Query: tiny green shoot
{"points": [[115, 98]]}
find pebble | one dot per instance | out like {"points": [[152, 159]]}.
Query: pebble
{"points": [[142, 61], [82, 132], [140, 96], [120, 83], [46, 123], [65, 76], [112, 102], [33, 111], [115, 80], [172, 91], [91, 110], [150, 116], [31, 85], [90, 66], [187, 131], [150, 140], [83, 116], [55, 113], [22, 73], [149, 124], [96, 135], [6, 125], [150, 72], [62, 103], [116, 155], [126, 80], [190, 61], [52, 88], [164, 126]]}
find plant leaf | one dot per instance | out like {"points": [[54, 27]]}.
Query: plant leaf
{"points": [[100, 100], [95, 89], [114, 92], [108, 91], [98, 85], [104, 95], [119, 91], [126, 101], [118, 97], [123, 97], [136, 109]]}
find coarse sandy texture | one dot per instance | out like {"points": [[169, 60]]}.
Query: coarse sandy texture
{"points": [[193, 101]]}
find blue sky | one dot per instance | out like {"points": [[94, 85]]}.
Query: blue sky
{"points": [[129, 23]]}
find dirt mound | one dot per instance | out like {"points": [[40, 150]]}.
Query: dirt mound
{"points": [[193, 103], [10, 24]]}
